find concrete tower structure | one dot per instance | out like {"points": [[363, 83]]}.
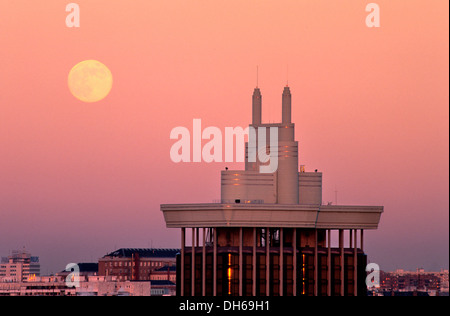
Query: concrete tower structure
{"points": [[270, 234], [280, 187], [256, 107]]}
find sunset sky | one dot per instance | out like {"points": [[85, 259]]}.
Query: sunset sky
{"points": [[371, 108]]}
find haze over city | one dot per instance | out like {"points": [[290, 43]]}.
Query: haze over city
{"points": [[79, 180]]}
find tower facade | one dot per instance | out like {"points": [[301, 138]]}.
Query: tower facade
{"points": [[20, 266], [270, 235]]}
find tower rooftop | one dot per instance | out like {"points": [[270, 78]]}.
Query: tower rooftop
{"points": [[271, 215]]}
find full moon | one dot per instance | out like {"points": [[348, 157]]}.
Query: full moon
{"points": [[90, 81]]}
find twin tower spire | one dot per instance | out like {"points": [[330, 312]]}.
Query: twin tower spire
{"points": [[257, 105]]}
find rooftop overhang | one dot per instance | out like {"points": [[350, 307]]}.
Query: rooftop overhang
{"points": [[271, 215]]}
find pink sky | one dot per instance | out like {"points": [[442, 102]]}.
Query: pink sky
{"points": [[371, 107]]}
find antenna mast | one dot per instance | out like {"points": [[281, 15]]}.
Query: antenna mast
{"points": [[287, 75], [336, 195]]}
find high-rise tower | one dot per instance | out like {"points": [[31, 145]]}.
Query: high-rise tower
{"points": [[270, 234], [256, 107], [280, 187]]}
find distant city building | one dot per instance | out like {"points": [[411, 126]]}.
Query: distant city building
{"points": [[84, 269], [433, 283], [124, 272], [88, 286], [270, 234], [444, 287], [111, 286], [39, 286], [166, 273], [398, 293], [136, 264], [163, 288], [20, 266]]}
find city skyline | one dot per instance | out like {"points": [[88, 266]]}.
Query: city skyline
{"points": [[79, 180]]}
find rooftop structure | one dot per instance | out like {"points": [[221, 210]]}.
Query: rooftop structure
{"points": [[143, 253], [136, 264], [270, 234], [89, 285], [19, 266]]}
